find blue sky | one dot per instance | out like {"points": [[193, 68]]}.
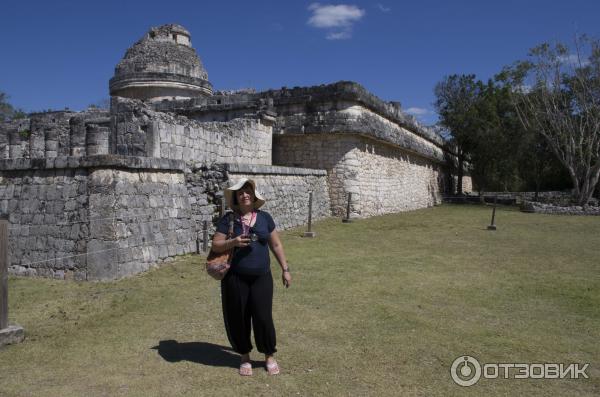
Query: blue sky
{"points": [[58, 54]]}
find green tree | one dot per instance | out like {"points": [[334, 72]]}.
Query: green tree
{"points": [[557, 95], [456, 96], [482, 122], [7, 111]]}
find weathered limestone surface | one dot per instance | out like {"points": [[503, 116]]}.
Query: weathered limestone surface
{"points": [[286, 191], [205, 184], [381, 178], [340, 108], [347, 118], [140, 131], [162, 64], [94, 218], [105, 217], [11, 335], [48, 215], [55, 134], [144, 217]]}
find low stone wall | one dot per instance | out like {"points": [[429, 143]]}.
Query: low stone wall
{"points": [[48, 219], [543, 208], [94, 218], [143, 217], [286, 191], [107, 217], [562, 198]]}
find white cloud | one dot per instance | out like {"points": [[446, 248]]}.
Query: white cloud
{"points": [[383, 8], [338, 19], [330, 16], [418, 111]]}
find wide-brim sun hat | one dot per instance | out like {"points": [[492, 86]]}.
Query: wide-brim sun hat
{"points": [[259, 201]]}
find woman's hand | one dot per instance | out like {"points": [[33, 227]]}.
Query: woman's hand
{"points": [[286, 277], [241, 241]]}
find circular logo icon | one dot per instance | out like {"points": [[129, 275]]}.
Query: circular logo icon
{"points": [[465, 371]]}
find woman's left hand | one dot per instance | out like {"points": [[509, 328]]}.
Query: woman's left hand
{"points": [[286, 277]]}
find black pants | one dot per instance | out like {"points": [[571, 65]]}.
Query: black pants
{"points": [[248, 300]]}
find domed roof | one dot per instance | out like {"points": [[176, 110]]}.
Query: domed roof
{"points": [[161, 64]]}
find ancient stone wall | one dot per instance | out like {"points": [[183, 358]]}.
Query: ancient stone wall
{"points": [[556, 197], [149, 219], [105, 217], [390, 180], [94, 218], [553, 209], [48, 218], [341, 118], [382, 178], [237, 141], [55, 134], [134, 129], [339, 108], [205, 184], [140, 131], [286, 191]]}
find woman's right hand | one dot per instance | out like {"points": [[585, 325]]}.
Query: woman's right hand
{"points": [[241, 241]]}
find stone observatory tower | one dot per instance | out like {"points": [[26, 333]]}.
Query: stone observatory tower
{"points": [[161, 65]]}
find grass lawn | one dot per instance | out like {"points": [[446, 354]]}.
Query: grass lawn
{"points": [[380, 306]]}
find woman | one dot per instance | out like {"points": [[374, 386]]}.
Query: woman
{"points": [[247, 289]]}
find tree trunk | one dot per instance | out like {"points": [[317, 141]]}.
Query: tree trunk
{"points": [[584, 188], [459, 175]]}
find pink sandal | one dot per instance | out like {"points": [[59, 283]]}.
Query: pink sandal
{"points": [[272, 368], [246, 369]]}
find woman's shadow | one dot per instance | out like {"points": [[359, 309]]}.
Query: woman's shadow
{"points": [[199, 352]]}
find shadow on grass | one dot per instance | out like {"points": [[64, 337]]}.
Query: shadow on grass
{"points": [[199, 352]]}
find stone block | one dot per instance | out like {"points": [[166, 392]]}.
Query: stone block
{"points": [[102, 260], [11, 335]]}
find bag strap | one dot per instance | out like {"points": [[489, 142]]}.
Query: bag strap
{"points": [[230, 232]]}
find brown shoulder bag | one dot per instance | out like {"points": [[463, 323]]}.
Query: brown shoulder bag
{"points": [[217, 265]]}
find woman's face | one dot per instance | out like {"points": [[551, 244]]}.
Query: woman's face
{"points": [[245, 196]]}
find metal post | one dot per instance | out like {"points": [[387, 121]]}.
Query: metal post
{"points": [[3, 273], [347, 218], [309, 232], [197, 241], [492, 225], [204, 236]]}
